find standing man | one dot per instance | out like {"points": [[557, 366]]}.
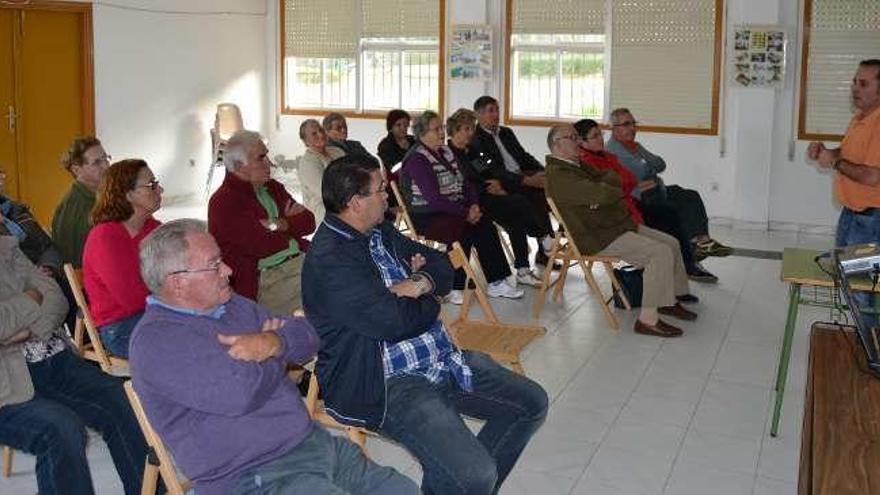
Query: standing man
{"points": [[259, 227], [857, 161], [86, 161], [857, 166], [510, 168], [387, 362]]}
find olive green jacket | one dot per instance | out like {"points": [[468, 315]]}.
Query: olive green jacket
{"points": [[71, 225], [590, 202]]}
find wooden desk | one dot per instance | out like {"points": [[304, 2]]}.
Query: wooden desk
{"points": [[840, 447], [799, 270]]}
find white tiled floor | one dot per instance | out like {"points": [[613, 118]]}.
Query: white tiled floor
{"points": [[632, 414]]}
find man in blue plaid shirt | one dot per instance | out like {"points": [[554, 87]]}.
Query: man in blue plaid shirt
{"points": [[386, 361]]}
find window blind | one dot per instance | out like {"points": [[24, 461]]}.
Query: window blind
{"points": [[321, 29], [841, 34], [662, 61], [400, 18], [558, 16]]}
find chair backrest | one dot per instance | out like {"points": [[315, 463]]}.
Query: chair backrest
{"points": [[554, 210], [404, 222], [173, 483], [92, 350], [227, 120]]}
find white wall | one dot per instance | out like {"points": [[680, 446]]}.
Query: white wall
{"points": [[744, 174], [161, 67]]}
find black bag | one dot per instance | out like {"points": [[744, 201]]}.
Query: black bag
{"points": [[630, 279]]}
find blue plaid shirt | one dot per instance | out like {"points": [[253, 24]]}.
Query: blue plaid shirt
{"points": [[431, 354]]}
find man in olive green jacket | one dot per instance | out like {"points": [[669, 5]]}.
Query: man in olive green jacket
{"points": [[591, 204]]}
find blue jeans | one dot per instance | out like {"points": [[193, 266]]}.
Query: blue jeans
{"points": [[426, 419], [854, 228], [322, 463], [71, 394], [115, 336]]}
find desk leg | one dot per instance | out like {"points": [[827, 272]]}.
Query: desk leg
{"points": [[794, 300]]}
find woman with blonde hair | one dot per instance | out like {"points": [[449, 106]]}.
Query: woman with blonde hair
{"points": [[128, 196]]}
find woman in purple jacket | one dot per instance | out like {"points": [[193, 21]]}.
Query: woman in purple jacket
{"points": [[444, 207]]}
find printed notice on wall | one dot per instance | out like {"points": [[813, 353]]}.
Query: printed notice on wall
{"points": [[470, 53], [758, 56]]}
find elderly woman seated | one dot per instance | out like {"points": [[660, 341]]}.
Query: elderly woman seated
{"points": [[443, 205], [337, 131], [312, 164], [123, 216], [510, 209]]}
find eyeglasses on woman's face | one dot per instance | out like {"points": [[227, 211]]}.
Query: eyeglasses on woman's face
{"points": [[152, 185]]}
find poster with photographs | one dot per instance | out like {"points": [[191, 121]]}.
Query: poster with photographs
{"points": [[758, 59], [470, 53]]}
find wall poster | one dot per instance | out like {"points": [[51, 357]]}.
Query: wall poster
{"points": [[758, 56], [470, 53]]}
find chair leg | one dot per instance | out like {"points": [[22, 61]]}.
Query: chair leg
{"points": [[563, 272], [359, 437], [151, 478], [7, 461], [597, 293], [616, 287], [517, 367]]}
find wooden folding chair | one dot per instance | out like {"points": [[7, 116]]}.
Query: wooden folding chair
{"points": [[315, 407], [505, 243], [92, 349], [504, 342], [403, 222], [159, 461], [7, 461], [564, 248]]}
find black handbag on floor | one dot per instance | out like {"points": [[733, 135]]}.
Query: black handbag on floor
{"points": [[630, 279]]}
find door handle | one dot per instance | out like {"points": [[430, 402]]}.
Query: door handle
{"points": [[11, 118]]}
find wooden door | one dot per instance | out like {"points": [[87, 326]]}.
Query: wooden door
{"points": [[53, 97], [8, 159]]}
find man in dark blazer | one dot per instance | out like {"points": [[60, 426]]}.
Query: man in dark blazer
{"points": [[507, 162]]}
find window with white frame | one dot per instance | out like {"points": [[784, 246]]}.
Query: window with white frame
{"points": [[361, 55], [573, 59]]}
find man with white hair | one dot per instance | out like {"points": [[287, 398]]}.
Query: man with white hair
{"points": [[591, 203], [210, 368], [259, 226]]}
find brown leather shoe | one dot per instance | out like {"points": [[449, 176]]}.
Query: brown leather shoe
{"points": [[660, 329], [677, 311]]}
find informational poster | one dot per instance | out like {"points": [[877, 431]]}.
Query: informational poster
{"points": [[470, 53], [758, 56]]}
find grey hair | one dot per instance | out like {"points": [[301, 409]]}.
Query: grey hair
{"points": [[165, 250], [422, 123], [554, 131], [304, 125], [617, 113], [237, 148]]}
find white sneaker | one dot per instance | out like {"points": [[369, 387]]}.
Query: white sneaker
{"points": [[502, 289], [528, 277], [455, 297]]}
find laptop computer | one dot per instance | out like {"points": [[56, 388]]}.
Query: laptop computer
{"points": [[848, 262]]}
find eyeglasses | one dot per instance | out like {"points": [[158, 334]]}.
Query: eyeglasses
{"points": [[382, 187], [597, 135], [440, 128], [573, 137], [213, 266], [103, 159], [629, 123], [153, 185]]}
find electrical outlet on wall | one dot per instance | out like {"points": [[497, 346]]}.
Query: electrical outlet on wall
{"points": [[192, 162], [713, 186]]}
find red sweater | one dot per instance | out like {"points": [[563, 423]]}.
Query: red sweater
{"points": [[605, 160], [234, 215], [112, 273]]}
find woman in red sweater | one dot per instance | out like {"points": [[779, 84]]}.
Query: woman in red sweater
{"points": [[123, 215], [664, 219]]}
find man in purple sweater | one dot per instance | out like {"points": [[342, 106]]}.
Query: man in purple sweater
{"points": [[210, 368]]}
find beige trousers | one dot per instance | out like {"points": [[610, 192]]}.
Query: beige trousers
{"points": [[281, 286], [659, 254]]}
